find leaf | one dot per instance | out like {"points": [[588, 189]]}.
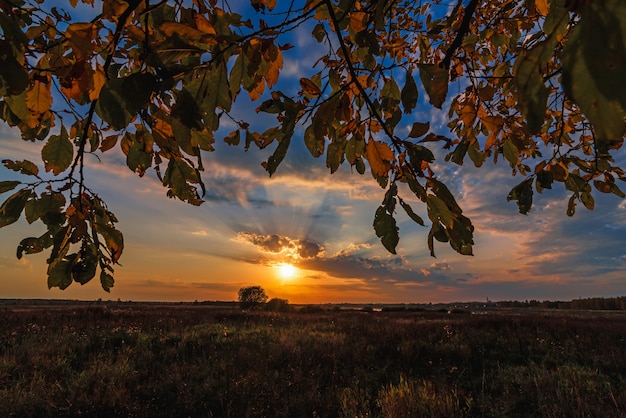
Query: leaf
{"points": [[409, 211], [108, 142], [386, 229], [12, 208], [106, 280], [281, 151], [510, 152], [335, 155], [594, 67], [39, 97], [111, 107], [8, 185], [409, 94], [419, 129], [14, 78], [233, 138], [85, 265], [542, 7], [438, 211], [113, 239], [23, 167], [314, 143], [60, 275], [57, 153], [139, 157], [523, 195], [379, 155], [435, 81], [359, 21], [309, 88], [177, 176]]}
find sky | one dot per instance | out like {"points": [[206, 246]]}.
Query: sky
{"points": [[320, 226]]}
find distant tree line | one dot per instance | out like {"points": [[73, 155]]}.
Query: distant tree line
{"points": [[609, 304]]}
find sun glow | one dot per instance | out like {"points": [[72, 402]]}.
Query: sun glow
{"points": [[286, 270]]}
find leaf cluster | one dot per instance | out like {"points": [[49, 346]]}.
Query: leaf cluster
{"points": [[535, 81]]}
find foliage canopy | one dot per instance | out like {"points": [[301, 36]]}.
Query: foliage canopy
{"points": [[538, 83]]}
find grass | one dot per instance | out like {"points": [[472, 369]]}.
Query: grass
{"points": [[204, 361]]}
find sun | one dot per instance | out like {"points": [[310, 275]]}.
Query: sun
{"points": [[286, 270]]}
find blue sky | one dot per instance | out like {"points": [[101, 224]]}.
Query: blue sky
{"points": [[250, 225]]}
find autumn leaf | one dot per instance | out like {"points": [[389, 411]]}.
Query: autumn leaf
{"points": [[309, 88], [39, 97], [379, 156], [359, 21]]}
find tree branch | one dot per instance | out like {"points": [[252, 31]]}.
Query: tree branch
{"points": [[353, 74], [463, 30]]}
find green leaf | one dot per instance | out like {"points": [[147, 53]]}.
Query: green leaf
{"points": [[438, 211], [477, 156], [314, 142], [22, 167], [106, 280], [138, 160], [386, 229], [85, 265], [510, 152], [57, 153], [594, 67], [136, 90], [279, 154], [409, 211], [12, 208], [33, 245], [177, 177], [111, 106], [60, 275], [335, 155], [8, 185], [523, 195], [409, 94], [14, 78], [435, 81]]}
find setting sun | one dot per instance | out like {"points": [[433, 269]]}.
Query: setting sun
{"points": [[286, 270]]}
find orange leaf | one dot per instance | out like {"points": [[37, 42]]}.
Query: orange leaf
{"points": [[204, 25], [309, 88], [379, 156], [271, 78], [98, 83], [358, 21], [468, 114], [39, 98]]}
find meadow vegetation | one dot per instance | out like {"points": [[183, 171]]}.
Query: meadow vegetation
{"points": [[168, 361]]}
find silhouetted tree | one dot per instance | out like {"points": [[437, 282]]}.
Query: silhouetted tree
{"points": [[277, 305], [252, 297]]}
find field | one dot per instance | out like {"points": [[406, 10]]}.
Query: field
{"points": [[202, 361]]}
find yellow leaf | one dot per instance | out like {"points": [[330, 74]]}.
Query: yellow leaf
{"points": [[542, 6], [81, 36], [379, 156], [98, 83], [359, 21], [271, 78], [112, 9], [492, 123], [185, 31], [468, 114], [204, 25], [257, 90], [39, 98]]}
